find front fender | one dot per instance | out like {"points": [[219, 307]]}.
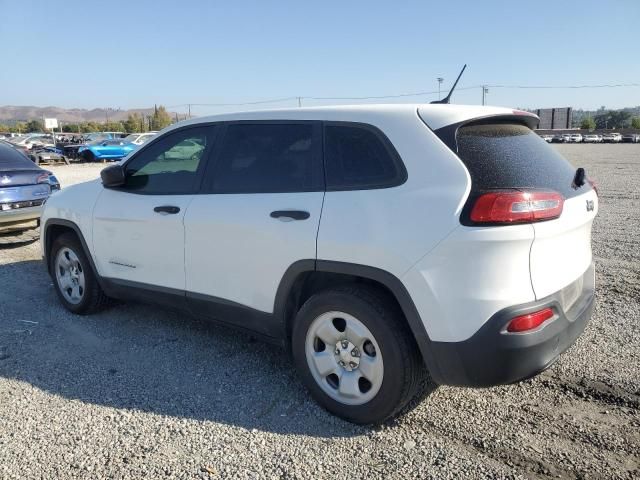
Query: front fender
{"points": [[72, 205]]}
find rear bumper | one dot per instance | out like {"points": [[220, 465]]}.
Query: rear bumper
{"points": [[492, 357], [19, 215]]}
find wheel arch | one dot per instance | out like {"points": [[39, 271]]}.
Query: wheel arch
{"points": [[53, 228], [305, 277]]}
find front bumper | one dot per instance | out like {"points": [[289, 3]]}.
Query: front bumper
{"points": [[492, 357]]}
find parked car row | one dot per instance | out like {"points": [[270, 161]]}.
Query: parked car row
{"points": [[99, 146], [114, 148], [592, 138]]}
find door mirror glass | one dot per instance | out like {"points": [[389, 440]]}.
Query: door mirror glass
{"points": [[112, 176]]}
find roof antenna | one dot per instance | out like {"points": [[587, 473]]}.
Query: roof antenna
{"points": [[448, 97]]}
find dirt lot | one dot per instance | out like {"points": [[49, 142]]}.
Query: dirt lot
{"points": [[140, 392]]}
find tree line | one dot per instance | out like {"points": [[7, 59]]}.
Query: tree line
{"points": [[135, 123], [604, 119]]}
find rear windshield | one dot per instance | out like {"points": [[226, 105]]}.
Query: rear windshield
{"points": [[12, 159], [509, 155]]}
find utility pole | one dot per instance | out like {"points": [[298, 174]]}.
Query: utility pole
{"points": [[485, 90], [299, 101], [440, 80], [189, 105]]}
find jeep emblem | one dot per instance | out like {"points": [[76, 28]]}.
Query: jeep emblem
{"points": [[590, 206]]}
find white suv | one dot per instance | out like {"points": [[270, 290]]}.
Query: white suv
{"points": [[373, 241]]}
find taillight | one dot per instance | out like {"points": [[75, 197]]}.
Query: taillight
{"points": [[594, 185], [506, 207], [529, 321], [43, 178]]}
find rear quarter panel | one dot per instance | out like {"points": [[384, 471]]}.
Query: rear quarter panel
{"points": [[392, 228]]}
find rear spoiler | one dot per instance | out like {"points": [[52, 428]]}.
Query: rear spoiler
{"points": [[448, 133]]}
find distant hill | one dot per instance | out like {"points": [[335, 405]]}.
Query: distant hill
{"points": [[10, 114]]}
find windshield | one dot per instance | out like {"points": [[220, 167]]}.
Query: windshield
{"points": [[131, 138]]}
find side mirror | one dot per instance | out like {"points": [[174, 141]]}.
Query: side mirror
{"points": [[112, 176]]}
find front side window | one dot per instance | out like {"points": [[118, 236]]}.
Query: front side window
{"points": [[269, 158], [171, 165], [360, 157]]}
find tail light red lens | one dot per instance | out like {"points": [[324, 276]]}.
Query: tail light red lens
{"points": [[43, 178], [506, 207], [529, 321], [594, 185]]}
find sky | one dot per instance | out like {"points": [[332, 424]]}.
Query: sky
{"points": [[137, 53]]}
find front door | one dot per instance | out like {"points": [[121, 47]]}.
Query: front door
{"points": [[138, 229]]}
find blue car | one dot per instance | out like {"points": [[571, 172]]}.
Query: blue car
{"points": [[113, 149], [24, 187]]}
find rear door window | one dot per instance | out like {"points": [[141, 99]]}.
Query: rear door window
{"points": [[359, 157], [510, 155], [269, 158]]}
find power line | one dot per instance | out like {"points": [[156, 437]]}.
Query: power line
{"points": [[617, 85], [378, 97], [259, 102], [299, 99]]}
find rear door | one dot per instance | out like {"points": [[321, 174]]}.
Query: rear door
{"points": [[257, 215], [503, 155]]}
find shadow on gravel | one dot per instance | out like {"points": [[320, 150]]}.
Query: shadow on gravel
{"points": [[16, 240], [140, 358]]}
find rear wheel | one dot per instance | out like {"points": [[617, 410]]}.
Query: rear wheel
{"points": [[73, 278], [88, 156], [355, 354]]}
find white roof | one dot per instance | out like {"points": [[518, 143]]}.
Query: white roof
{"points": [[435, 115]]}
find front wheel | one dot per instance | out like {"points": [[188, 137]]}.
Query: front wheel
{"points": [[73, 278], [356, 355]]}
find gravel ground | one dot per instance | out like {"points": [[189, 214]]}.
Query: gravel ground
{"points": [[137, 391]]}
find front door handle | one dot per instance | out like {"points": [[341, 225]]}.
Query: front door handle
{"points": [[290, 214], [167, 209]]}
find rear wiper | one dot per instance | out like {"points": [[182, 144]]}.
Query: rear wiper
{"points": [[579, 179]]}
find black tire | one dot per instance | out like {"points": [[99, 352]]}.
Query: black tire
{"points": [[88, 156], [93, 298], [404, 370]]}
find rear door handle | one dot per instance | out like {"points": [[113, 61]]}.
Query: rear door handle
{"points": [[167, 209], [292, 214]]}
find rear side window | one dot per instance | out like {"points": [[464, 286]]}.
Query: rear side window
{"points": [[509, 155], [269, 158], [360, 157]]}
